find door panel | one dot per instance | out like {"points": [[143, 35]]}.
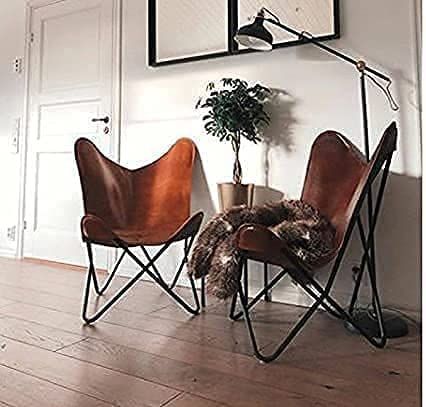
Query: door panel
{"points": [[53, 117], [70, 83], [77, 65]]}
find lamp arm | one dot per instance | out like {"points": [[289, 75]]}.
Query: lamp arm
{"points": [[359, 64], [304, 35]]}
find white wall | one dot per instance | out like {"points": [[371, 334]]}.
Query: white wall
{"points": [[12, 33], [158, 107], [322, 92]]}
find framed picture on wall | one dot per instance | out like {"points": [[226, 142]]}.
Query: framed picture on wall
{"points": [[187, 30], [191, 30]]}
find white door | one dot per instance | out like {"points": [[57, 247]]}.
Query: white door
{"points": [[71, 78]]}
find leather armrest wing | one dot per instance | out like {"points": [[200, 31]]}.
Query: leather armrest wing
{"points": [[263, 245], [94, 229], [189, 228]]}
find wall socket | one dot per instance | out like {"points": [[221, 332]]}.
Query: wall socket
{"points": [[18, 65], [11, 233]]}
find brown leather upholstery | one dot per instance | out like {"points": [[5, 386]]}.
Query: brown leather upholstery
{"points": [[336, 181], [146, 206], [334, 173]]}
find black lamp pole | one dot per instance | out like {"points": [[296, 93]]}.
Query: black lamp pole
{"points": [[256, 36]]}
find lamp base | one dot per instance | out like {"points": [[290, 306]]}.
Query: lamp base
{"points": [[395, 326]]}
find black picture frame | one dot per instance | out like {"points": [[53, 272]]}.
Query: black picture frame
{"points": [[232, 46]]}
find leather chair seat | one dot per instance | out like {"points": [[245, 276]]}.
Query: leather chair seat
{"points": [[172, 230]]}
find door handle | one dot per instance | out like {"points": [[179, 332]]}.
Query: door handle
{"points": [[101, 119]]}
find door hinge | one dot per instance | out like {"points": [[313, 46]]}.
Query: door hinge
{"points": [[32, 37], [25, 225]]}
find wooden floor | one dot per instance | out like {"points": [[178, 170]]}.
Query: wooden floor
{"points": [[148, 352]]}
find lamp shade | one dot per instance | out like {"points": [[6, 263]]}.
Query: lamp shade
{"points": [[255, 36]]}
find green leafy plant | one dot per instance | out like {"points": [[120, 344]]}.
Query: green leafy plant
{"points": [[235, 110]]}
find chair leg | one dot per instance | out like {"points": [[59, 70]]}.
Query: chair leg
{"points": [[86, 294], [357, 286], [297, 328], [187, 248], [368, 257], [154, 267], [203, 292], [257, 298], [245, 278], [325, 305], [146, 268], [242, 273], [91, 274], [233, 306], [101, 290], [180, 269], [321, 297], [325, 295], [268, 294], [378, 343], [371, 268], [286, 341]]}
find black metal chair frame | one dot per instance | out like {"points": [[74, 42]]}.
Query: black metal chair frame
{"points": [[322, 294], [149, 269]]}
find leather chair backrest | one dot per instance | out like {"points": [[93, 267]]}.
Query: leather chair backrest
{"points": [[338, 176], [163, 188], [133, 199], [106, 186]]}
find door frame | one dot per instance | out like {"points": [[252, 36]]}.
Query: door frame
{"points": [[116, 97]]}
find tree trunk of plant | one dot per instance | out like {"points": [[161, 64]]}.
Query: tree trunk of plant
{"points": [[237, 174]]}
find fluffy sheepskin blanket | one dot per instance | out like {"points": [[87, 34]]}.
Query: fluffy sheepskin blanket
{"points": [[306, 232]]}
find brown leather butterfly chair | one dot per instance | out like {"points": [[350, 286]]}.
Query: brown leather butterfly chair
{"points": [[337, 183], [149, 206]]}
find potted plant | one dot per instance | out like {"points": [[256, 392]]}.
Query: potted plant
{"points": [[235, 111]]}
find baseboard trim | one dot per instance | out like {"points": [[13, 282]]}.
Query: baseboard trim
{"points": [[65, 266], [8, 253]]}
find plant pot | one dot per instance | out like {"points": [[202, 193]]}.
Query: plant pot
{"points": [[231, 194]]}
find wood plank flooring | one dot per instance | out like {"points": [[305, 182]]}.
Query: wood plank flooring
{"points": [[149, 352]]}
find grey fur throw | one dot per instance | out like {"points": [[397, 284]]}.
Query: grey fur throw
{"points": [[215, 254]]}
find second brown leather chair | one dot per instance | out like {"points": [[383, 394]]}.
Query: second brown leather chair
{"points": [[338, 182], [149, 206]]}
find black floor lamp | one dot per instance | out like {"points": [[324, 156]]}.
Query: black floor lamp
{"points": [[257, 37]]}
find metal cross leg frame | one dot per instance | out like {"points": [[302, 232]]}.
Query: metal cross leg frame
{"points": [[150, 269], [321, 294]]}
